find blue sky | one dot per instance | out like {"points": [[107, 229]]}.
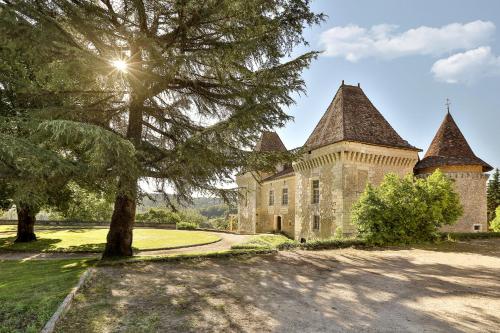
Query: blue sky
{"points": [[409, 56]]}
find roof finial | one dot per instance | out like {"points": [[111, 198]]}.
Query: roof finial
{"points": [[359, 85], [448, 103], [342, 82]]}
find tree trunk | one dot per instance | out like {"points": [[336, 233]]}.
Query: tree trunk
{"points": [[119, 239], [26, 217]]}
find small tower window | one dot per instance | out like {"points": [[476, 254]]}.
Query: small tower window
{"points": [[271, 198], [284, 197], [315, 191], [477, 227], [316, 222]]}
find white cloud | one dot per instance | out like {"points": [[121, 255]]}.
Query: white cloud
{"points": [[383, 41], [467, 67]]}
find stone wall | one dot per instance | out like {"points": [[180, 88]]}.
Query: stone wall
{"points": [[268, 215], [470, 184]]}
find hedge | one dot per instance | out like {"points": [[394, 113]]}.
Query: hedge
{"points": [[469, 235]]}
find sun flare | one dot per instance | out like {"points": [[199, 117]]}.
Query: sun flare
{"points": [[120, 65]]}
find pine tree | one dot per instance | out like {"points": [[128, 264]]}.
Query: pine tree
{"points": [[493, 194], [40, 150], [202, 80]]}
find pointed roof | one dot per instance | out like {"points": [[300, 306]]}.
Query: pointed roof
{"points": [[352, 117], [270, 141], [449, 147]]}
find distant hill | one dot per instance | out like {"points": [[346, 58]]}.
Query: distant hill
{"points": [[157, 200]]}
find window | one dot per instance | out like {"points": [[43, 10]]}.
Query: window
{"points": [[284, 197], [316, 222], [315, 191], [477, 227], [271, 198]]}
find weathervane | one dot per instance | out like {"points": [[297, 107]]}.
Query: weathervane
{"points": [[448, 103]]}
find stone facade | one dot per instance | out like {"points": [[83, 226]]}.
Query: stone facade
{"points": [[470, 184], [343, 170], [351, 146]]}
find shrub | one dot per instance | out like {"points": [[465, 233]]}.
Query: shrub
{"points": [[339, 233], [406, 210], [186, 226], [332, 243], [192, 216], [456, 236], [159, 215], [495, 224], [267, 242]]}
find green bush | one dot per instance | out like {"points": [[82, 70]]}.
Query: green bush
{"points": [[280, 242], [332, 243], [495, 224], [192, 216], [186, 226], [456, 236], [406, 210], [158, 215]]}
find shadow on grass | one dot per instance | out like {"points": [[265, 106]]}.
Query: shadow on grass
{"points": [[47, 245]]}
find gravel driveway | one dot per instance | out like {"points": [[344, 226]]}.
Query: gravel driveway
{"points": [[447, 288]]}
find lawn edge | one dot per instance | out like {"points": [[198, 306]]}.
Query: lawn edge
{"points": [[186, 256], [66, 303]]}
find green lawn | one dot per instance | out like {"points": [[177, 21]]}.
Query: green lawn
{"points": [[31, 291], [267, 241], [94, 239]]}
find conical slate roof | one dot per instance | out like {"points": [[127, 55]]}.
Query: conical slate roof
{"points": [[269, 141], [352, 117], [449, 147]]}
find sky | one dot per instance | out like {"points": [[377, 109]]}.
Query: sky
{"points": [[409, 57]]}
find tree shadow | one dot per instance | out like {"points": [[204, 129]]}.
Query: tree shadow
{"points": [[487, 247], [47, 245], [351, 291]]}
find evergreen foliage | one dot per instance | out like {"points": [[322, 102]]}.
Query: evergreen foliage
{"points": [[493, 195], [203, 79], [406, 210]]}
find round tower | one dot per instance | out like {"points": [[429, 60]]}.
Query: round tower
{"points": [[450, 152]]}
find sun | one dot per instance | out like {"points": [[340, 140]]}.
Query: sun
{"points": [[120, 65]]}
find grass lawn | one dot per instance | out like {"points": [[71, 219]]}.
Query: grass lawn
{"points": [[94, 239], [266, 241], [31, 291]]}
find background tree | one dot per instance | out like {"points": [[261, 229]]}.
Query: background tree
{"points": [[202, 79], [406, 210], [495, 223], [84, 205], [493, 194]]}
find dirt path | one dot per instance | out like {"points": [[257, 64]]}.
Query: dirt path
{"points": [[227, 240], [397, 290]]}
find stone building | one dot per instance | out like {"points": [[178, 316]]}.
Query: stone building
{"points": [[351, 145]]}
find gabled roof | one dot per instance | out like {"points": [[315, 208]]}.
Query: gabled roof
{"points": [[449, 147], [269, 141], [352, 117]]}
